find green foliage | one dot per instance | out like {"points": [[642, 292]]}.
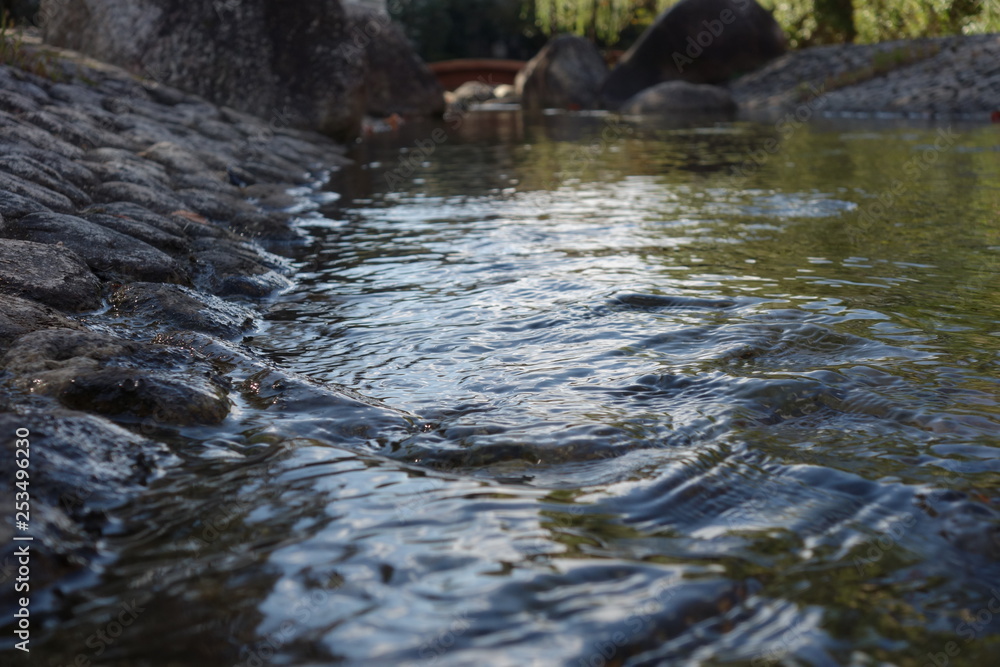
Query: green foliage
{"points": [[806, 22], [811, 22], [604, 21]]}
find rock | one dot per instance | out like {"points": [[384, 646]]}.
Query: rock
{"points": [[175, 158], [20, 316], [226, 268], [680, 97], [472, 92], [54, 276], [566, 74], [21, 133], [36, 193], [155, 199], [506, 93], [171, 225], [396, 80], [36, 172], [16, 206], [75, 173], [176, 307], [282, 61], [165, 241], [86, 370], [108, 253], [701, 41], [81, 467]]}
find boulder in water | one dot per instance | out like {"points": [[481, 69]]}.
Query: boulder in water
{"points": [[701, 41], [566, 74]]}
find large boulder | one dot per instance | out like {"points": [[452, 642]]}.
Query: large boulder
{"points": [[701, 41], [397, 81], [680, 98], [566, 74], [282, 61]]}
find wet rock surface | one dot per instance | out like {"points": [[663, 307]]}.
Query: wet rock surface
{"points": [[128, 211]]}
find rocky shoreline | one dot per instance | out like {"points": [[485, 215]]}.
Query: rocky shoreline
{"points": [[142, 230], [943, 77], [141, 233]]}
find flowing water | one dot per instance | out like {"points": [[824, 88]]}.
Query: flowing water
{"points": [[613, 395]]}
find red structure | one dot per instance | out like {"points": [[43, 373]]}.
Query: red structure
{"points": [[494, 71]]}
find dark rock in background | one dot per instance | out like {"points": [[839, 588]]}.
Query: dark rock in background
{"points": [[396, 80], [308, 64], [680, 97], [566, 74], [701, 41], [281, 61]]}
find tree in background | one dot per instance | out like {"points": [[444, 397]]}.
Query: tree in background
{"points": [[807, 22]]}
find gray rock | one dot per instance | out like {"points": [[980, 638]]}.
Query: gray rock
{"points": [[222, 207], [108, 253], [132, 170], [86, 370], [472, 92], [75, 173], [157, 200], [82, 466], [171, 225], [21, 133], [59, 127], [396, 80], [16, 206], [52, 275], [20, 316], [175, 158], [169, 243], [36, 172], [680, 97], [176, 307], [15, 103], [36, 193], [701, 41], [226, 268], [268, 57], [566, 74]]}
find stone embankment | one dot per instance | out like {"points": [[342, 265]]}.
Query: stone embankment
{"points": [[950, 76], [140, 234]]}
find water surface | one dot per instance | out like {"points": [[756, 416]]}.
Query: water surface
{"points": [[626, 395]]}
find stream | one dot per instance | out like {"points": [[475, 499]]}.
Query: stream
{"points": [[630, 394]]}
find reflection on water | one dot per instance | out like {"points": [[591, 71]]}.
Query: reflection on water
{"points": [[629, 396]]}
